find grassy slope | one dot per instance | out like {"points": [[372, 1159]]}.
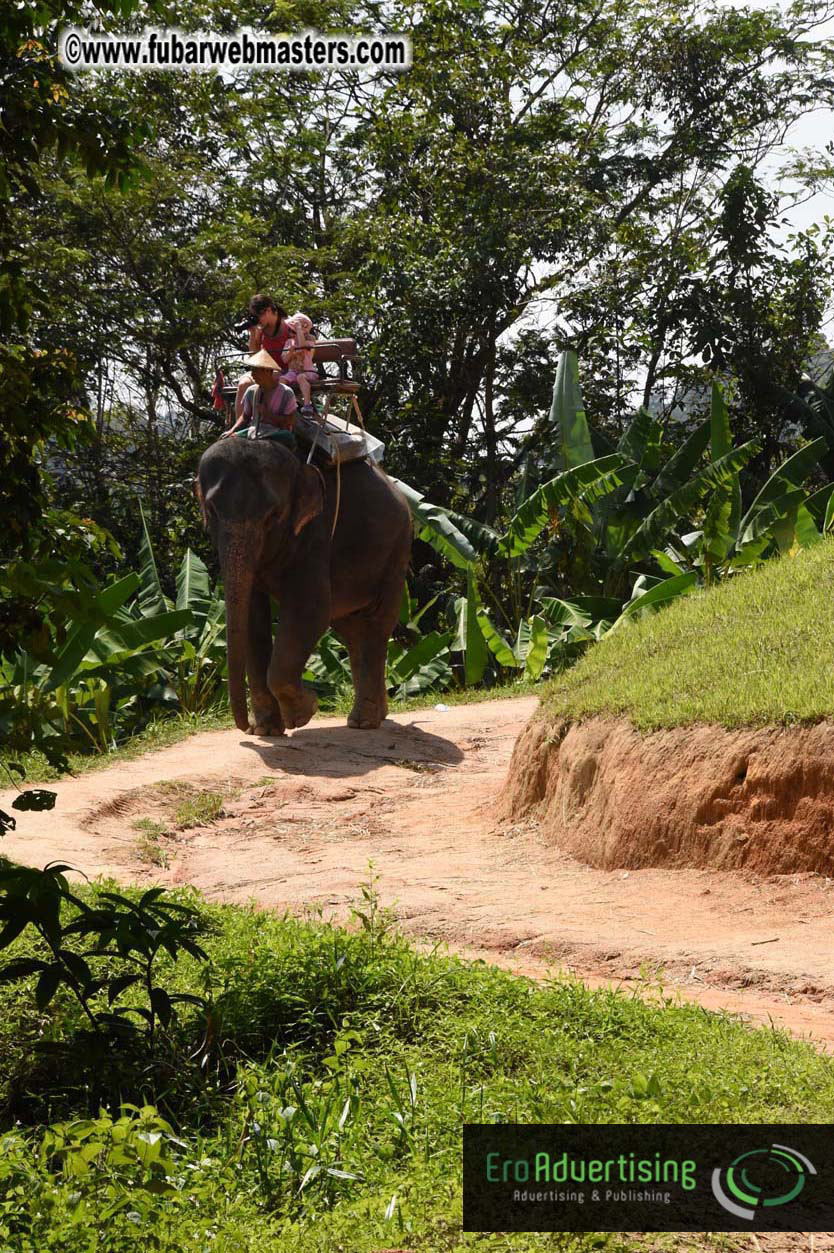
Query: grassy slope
{"points": [[758, 649], [305, 1014]]}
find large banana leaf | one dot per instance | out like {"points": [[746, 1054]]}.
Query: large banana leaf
{"points": [[791, 473], [81, 637], [668, 560], [194, 591], [817, 503], [485, 539], [717, 536], [435, 673], [567, 414], [421, 667], [654, 529], [721, 439], [680, 465], [588, 482], [806, 532], [659, 594], [559, 612], [470, 640], [436, 528], [813, 406], [142, 631], [763, 521], [213, 634], [151, 598], [497, 644], [536, 654], [333, 660], [640, 441], [415, 658]]}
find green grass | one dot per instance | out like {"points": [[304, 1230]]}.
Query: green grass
{"points": [[186, 806], [149, 841], [356, 1025], [756, 650], [199, 810]]}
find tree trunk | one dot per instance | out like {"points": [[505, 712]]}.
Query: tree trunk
{"points": [[491, 503]]}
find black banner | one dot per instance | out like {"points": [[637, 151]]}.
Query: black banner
{"points": [[637, 1177]]}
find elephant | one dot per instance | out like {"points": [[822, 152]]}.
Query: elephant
{"points": [[271, 518]]}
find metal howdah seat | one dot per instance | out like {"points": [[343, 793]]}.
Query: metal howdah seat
{"points": [[339, 381]]}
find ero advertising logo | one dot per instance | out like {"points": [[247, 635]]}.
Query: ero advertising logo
{"points": [[767, 1177], [644, 1177]]}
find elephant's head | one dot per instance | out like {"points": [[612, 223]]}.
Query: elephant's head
{"points": [[256, 498]]}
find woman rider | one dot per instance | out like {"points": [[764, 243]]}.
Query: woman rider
{"points": [[268, 330]]}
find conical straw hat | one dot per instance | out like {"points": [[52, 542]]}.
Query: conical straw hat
{"points": [[262, 360]]}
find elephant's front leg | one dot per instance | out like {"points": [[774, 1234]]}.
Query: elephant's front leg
{"points": [[303, 617], [266, 712]]}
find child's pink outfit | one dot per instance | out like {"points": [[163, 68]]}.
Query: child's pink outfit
{"points": [[298, 323]]}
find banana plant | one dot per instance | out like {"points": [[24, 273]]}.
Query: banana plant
{"points": [[421, 668], [102, 667], [130, 650], [477, 637], [625, 509], [812, 405], [781, 517], [411, 669], [194, 663], [201, 645]]}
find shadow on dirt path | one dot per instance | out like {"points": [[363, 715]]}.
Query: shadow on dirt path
{"points": [[327, 751], [293, 823]]}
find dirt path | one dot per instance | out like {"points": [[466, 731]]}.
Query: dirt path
{"points": [[303, 816]]}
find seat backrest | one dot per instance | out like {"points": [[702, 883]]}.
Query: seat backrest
{"points": [[335, 350]]}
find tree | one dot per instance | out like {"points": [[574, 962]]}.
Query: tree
{"points": [[41, 112]]}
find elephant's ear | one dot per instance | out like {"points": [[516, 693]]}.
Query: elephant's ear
{"points": [[309, 497]]}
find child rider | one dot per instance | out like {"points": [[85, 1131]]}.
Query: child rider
{"points": [[277, 404]]}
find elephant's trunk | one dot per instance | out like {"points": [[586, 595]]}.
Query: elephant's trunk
{"points": [[236, 564]]}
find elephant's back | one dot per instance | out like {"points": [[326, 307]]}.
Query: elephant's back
{"points": [[373, 526]]}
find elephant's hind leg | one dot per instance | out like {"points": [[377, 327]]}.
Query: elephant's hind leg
{"points": [[367, 643]]}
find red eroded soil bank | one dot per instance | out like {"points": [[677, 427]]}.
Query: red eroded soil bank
{"points": [[698, 796]]}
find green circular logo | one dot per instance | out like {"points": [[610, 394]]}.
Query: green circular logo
{"points": [[762, 1178]]}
